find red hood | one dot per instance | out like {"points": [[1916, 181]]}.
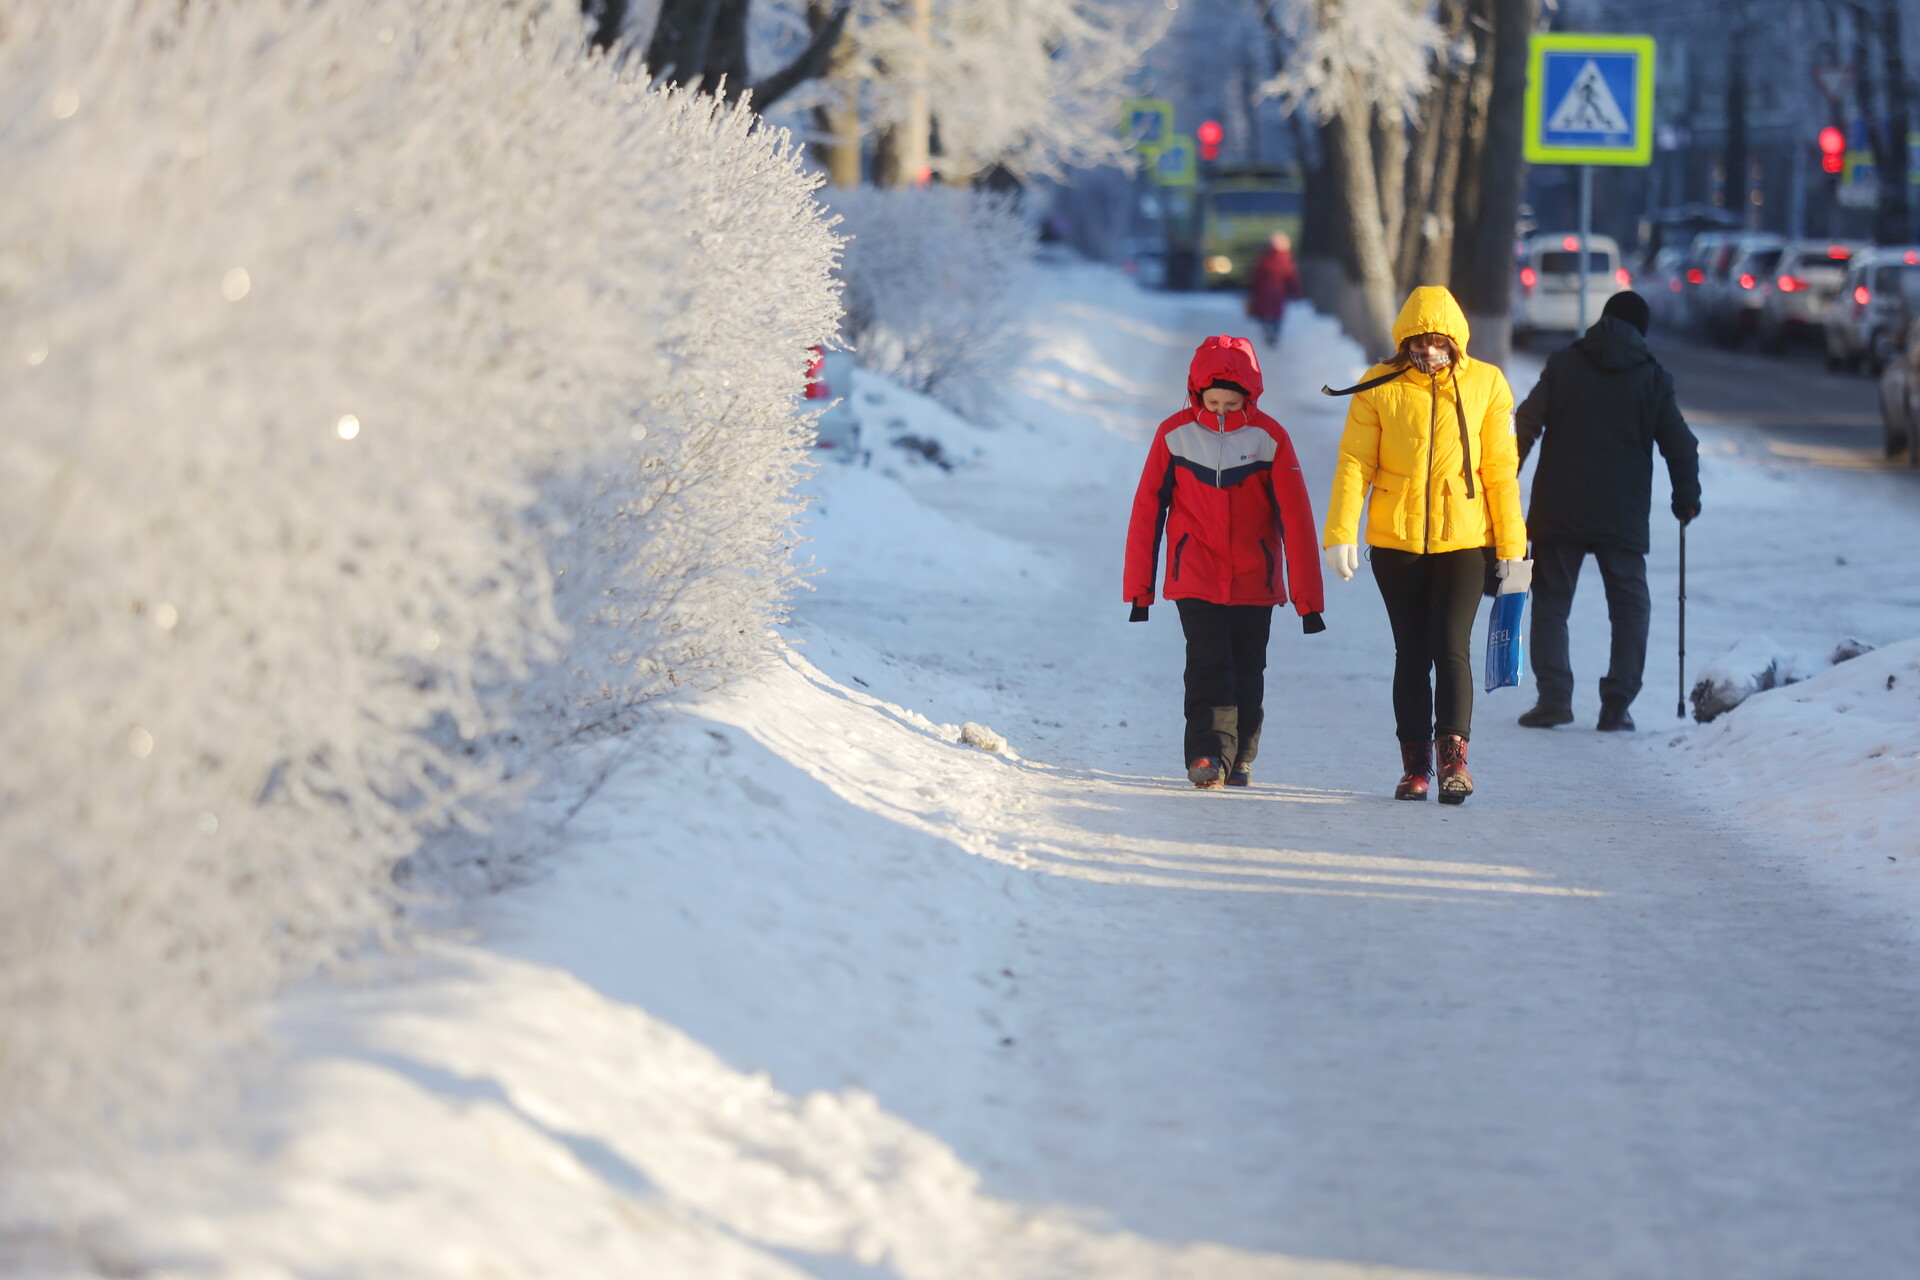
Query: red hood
{"points": [[1229, 358]]}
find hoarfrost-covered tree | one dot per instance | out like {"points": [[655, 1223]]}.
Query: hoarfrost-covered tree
{"points": [[1419, 110], [958, 87], [1361, 69], [392, 395]]}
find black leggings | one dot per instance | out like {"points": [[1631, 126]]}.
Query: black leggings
{"points": [[1431, 602]]}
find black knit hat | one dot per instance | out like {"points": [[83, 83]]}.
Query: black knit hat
{"points": [[1224, 385], [1631, 307]]}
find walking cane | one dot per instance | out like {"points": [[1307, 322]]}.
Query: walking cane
{"points": [[1680, 700]]}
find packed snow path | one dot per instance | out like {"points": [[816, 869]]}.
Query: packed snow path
{"points": [[1057, 1013]]}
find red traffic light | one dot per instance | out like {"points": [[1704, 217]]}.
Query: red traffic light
{"points": [[1208, 135], [1832, 141]]}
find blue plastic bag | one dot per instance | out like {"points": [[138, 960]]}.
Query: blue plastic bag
{"points": [[1506, 645]]}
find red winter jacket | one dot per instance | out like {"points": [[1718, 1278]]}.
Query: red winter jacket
{"points": [[1275, 281], [1226, 491]]}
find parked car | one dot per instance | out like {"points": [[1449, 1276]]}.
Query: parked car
{"points": [[1729, 301], [1665, 283], [1900, 401], [1710, 254], [1546, 289], [1734, 308], [830, 381], [1800, 295], [1868, 322]]}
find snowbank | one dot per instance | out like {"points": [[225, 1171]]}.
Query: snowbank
{"points": [[1829, 763], [391, 394], [1755, 665]]}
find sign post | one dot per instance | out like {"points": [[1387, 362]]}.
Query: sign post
{"points": [[1589, 101]]}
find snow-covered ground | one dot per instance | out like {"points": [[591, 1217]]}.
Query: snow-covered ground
{"points": [[817, 988]]}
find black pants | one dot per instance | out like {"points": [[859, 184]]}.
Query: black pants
{"points": [[1431, 602], [1226, 678], [1556, 571]]}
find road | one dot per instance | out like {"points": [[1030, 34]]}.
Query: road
{"points": [[1791, 399]]}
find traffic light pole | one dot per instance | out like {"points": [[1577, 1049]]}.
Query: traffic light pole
{"points": [[1586, 234]]}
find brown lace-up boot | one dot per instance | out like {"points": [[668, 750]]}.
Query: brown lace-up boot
{"points": [[1416, 759], [1456, 784]]}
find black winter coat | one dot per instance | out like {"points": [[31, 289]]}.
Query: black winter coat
{"points": [[1603, 404]]}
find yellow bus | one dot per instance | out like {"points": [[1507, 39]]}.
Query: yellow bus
{"points": [[1240, 209]]}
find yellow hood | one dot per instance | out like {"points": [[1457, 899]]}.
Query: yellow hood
{"points": [[1431, 309]]}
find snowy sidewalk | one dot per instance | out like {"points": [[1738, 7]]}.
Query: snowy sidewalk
{"points": [[819, 990]]}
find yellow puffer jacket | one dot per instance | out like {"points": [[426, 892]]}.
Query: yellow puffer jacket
{"points": [[1437, 453]]}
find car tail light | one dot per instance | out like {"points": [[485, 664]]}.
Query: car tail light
{"points": [[1570, 243], [817, 385], [1788, 284], [1746, 280], [1860, 295], [1528, 277], [1839, 252], [1912, 258], [1696, 276], [1623, 278]]}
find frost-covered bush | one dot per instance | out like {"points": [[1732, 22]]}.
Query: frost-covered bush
{"points": [[386, 393], [936, 285]]}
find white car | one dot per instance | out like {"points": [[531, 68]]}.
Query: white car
{"points": [[1800, 294], [1728, 300], [1734, 299], [1868, 321], [1546, 289]]}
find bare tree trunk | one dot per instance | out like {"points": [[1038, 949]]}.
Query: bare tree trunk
{"points": [[607, 17], [1356, 179], [682, 35], [1890, 222], [726, 65], [1390, 172], [1483, 247], [1426, 234], [904, 153], [837, 119], [1734, 157]]}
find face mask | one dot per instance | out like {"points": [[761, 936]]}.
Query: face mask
{"points": [[1433, 360]]}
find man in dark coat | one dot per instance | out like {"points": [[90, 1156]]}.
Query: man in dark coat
{"points": [[1599, 409]]}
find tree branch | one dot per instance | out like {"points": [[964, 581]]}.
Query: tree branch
{"points": [[808, 64]]}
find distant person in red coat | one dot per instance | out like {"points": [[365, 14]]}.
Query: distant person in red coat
{"points": [[1275, 281]]}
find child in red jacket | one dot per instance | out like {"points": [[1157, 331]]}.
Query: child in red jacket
{"points": [[1224, 487]]}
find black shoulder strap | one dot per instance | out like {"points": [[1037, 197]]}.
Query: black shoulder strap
{"points": [[1368, 385], [1466, 437]]}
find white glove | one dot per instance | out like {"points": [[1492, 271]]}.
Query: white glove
{"points": [[1343, 558], [1514, 576]]}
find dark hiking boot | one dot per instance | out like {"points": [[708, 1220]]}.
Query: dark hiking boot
{"points": [[1546, 717], [1456, 784], [1242, 776], [1204, 773], [1614, 717], [1416, 762]]}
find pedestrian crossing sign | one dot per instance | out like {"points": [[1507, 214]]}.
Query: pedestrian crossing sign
{"points": [[1590, 99]]}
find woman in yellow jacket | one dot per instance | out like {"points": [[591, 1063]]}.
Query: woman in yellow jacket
{"points": [[1430, 435]]}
